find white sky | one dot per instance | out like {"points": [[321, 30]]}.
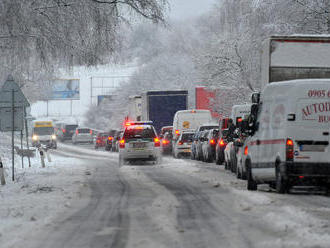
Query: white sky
{"points": [[183, 9]]}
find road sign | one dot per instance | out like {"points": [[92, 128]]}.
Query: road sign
{"points": [[6, 92], [12, 111], [12, 99]]}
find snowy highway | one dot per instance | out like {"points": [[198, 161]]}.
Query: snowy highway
{"points": [[180, 203]]}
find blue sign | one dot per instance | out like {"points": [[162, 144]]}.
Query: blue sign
{"points": [[65, 89]]}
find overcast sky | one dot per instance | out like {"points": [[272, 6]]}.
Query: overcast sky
{"points": [[183, 9]]}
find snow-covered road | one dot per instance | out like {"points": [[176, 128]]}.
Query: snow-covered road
{"points": [[86, 200]]}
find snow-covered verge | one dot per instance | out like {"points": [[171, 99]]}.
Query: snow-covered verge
{"points": [[37, 196], [299, 220]]}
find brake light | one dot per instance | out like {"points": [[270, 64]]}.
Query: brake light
{"points": [[212, 141], [222, 143], [122, 143], [157, 142], [289, 150], [177, 132], [164, 141], [63, 130], [127, 124], [77, 132], [180, 143], [239, 119], [246, 150], [110, 138]]}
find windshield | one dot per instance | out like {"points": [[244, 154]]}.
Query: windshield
{"points": [[43, 130], [143, 132], [187, 137], [207, 128], [84, 130]]}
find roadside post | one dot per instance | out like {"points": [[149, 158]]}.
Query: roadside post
{"points": [[2, 176], [12, 103], [42, 155]]}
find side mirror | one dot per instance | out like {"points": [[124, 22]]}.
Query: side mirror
{"points": [[255, 97]]}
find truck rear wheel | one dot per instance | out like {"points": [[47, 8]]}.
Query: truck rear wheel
{"points": [[282, 185]]}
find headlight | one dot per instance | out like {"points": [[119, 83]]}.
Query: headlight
{"points": [[53, 137], [35, 137]]}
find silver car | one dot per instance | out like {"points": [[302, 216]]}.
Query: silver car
{"points": [[82, 135], [139, 142]]}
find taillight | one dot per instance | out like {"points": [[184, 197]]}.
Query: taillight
{"points": [[157, 142], [122, 143], [63, 130], [289, 150], [212, 142], [77, 132], [165, 142], [180, 143], [222, 143], [246, 150], [110, 138], [91, 131], [177, 132]]}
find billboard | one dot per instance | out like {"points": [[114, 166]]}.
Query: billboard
{"points": [[65, 89]]}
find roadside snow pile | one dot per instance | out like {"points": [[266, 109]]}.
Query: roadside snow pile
{"points": [[300, 228], [37, 196]]}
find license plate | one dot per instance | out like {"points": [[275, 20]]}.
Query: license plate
{"points": [[139, 145], [312, 148]]}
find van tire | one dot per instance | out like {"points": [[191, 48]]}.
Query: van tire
{"points": [[281, 184], [251, 184]]}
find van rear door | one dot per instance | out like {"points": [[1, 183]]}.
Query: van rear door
{"points": [[311, 129]]}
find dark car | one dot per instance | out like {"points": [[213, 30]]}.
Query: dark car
{"points": [[221, 146], [166, 143], [65, 131], [101, 139], [164, 130], [110, 140], [209, 144]]}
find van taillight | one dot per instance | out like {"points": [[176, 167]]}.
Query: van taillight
{"points": [[246, 150], [289, 150], [157, 142], [122, 143]]}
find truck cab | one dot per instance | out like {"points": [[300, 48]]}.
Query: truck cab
{"points": [[43, 132]]}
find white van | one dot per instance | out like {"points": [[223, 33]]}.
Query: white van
{"points": [[290, 145], [239, 111], [189, 119]]}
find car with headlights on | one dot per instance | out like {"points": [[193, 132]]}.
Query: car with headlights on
{"points": [[43, 132]]}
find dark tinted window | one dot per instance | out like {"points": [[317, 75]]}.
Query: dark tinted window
{"points": [[207, 128], [70, 127], [43, 130], [84, 130], [187, 137], [145, 132]]}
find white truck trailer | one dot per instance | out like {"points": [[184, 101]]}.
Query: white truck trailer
{"points": [[295, 57]]}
